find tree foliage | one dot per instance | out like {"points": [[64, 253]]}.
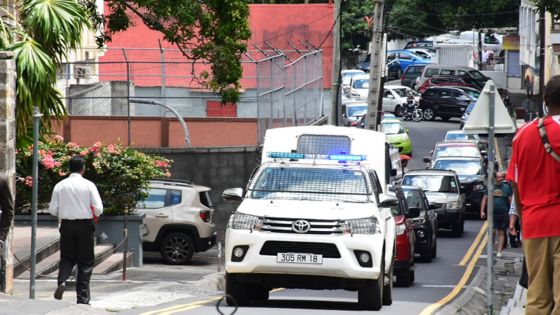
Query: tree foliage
{"points": [[212, 31], [46, 33], [552, 6], [416, 18]]}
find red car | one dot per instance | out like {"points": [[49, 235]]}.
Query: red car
{"points": [[443, 81], [404, 260]]}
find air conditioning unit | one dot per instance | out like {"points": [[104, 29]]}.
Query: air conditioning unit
{"points": [[81, 72]]}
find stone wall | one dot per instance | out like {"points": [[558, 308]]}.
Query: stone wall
{"points": [[7, 152], [217, 168]]}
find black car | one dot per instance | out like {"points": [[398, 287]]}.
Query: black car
{"points": [[411, 73], [445, 102], [472, 178], [425, 226]]}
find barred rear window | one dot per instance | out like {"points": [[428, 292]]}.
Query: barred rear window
{"points": [[319, 184], [323, 144]]}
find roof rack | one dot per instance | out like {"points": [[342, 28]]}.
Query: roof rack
{"points": [[172, 180]]}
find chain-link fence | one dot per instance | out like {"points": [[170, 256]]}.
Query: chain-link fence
{"points": [[122, 89]]}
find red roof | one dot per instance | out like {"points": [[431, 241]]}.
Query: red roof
{"points": [[277, 24]]}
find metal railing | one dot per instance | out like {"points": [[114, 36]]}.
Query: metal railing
{"points": [[279, 88]]}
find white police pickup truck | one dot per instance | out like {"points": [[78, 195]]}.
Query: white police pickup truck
{"points": [[311, 220]]}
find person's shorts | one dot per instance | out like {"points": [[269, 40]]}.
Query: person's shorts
{"points": [[501, 222]]}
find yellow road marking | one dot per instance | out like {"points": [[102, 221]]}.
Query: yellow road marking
{"points": [[181, 307], [474, 244], [433, 307], [185, 307]]}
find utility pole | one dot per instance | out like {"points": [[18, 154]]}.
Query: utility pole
{"points": [[376, 65], [335, 87], [542, 50]]}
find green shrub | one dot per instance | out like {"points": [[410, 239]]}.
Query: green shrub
{"points": [[120, 173]]}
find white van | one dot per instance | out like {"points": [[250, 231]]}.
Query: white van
{"points": [[314, 216]]}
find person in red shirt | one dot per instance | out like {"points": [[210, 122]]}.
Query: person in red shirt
{"points": [[534, 174]]}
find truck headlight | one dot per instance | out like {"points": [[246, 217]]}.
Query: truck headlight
{"points": [[368, 225], [242, 221], [452, 205], [478, 186]]}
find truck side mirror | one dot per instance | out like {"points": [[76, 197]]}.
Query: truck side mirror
{"points": [[233, 194]]}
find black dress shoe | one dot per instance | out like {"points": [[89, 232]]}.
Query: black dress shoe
{"points": [[59, 291]]}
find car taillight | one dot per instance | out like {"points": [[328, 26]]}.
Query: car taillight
{"points": [[205, 215], [402, 77]]}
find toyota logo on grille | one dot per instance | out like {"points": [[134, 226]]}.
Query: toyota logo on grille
{"points": [[301, 226]]}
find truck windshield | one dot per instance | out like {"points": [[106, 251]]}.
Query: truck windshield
{"points": [[317, 184]]}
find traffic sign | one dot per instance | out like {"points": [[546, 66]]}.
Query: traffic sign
{"points": [[479, 119]]}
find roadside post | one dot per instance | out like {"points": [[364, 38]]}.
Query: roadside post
{"points": [[489, 116], [34, 192]]}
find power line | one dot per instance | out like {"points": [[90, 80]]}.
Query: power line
{"points": [[330, 31]]}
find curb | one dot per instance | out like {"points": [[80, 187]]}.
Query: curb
{"points": [[473, 298]]}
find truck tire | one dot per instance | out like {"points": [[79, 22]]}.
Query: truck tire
{"points": [[370, 296], [388, 288], [236, 293]]}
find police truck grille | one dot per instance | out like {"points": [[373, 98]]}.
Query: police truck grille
{"points": [[284, 225]]}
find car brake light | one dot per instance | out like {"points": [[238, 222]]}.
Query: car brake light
{"points": [[204, 215]]}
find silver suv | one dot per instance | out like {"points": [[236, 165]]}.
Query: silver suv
{"points": [[178, 220], [443, 190]]}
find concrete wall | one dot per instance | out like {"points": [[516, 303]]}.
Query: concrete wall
{"points": [[217, 168], [7, 152]]}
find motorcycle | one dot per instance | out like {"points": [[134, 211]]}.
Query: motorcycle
{"points": [[411, 110]]}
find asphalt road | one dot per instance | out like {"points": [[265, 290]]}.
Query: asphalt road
{"points": [[434, 280]]}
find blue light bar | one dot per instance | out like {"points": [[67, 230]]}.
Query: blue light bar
{"points": [[332, 157], [347, 157], [285, 155]]}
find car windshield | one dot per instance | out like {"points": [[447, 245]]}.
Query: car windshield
{"points": [[414, 199], [459, 136], [317, 184], [391, 128], [472, 94], [477, 75], [356, 110], [432, 183], [402, 92], [456, 150], [346, 76], [461, 167], [470, 108], [361, 84]]}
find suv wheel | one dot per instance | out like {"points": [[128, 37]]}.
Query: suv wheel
{"points": [[458, 228], [404, 278], [370, 295], [177, 248], [429, 114], [236, 293]]}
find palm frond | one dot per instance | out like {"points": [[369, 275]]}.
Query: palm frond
{"points": [[56, 24]]}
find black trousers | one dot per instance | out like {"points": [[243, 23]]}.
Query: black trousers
{"points": [[76, 248]]}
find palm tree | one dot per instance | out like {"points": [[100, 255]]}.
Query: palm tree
{"points": [[47, 31]]}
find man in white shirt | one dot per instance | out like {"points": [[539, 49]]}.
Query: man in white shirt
{"points": [[76, 202]]}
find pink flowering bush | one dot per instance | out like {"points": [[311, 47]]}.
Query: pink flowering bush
{"points": [[120, 173]]}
